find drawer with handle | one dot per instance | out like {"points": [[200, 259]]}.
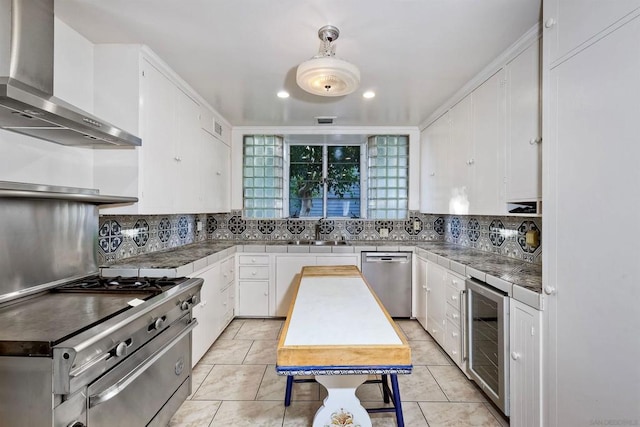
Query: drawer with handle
{"points": [[253, 259], [453, 315], [254, 272]]}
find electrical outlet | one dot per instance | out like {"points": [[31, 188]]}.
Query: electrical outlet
{"points": [[384, 232], [199, 225], [416, 225]]}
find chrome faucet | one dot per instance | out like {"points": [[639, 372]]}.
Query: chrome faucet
{"points": [[318, 230]]}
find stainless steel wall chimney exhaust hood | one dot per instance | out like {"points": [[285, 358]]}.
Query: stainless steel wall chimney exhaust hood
{"points": [[27, 104]]}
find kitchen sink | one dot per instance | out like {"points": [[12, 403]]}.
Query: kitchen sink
{"points": [[318, 242]]}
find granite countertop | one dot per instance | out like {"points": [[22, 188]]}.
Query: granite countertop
{"points": [[497, 270], [521, 273], [174, 257]]}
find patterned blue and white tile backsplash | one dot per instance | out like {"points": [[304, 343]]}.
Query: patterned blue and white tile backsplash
{"points": [[125, 236]]}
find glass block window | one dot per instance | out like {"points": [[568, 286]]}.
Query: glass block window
{"points": [[388, 177], [262, 176]]}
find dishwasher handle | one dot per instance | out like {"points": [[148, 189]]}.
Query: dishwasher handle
{"points": [[402, 257]]}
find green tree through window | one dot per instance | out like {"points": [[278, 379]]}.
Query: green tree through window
{"points": [[322, 175]]}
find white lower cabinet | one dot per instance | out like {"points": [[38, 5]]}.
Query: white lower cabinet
{"points": [[253, 298], [420, 291], [216, 307], [254, 272], [227, 295], [525, 365], [338, 259], [445, 308], [288, 266], [436, 305], [206, 312], [455, 318]]}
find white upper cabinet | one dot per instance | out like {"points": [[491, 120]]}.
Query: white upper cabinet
{"points": [[159, 159], [463, 155], [435, 177], [460, 156], [215, 186], [191, 164], [486, 194], [487, 140], [179, 168], [570, 24], [524, 172]]}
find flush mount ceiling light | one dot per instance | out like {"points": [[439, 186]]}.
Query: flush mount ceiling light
{"points": [[324, 74]]}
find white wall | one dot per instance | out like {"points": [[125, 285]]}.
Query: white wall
{"points": [[238, 133], [27, 159], [72, 67]]}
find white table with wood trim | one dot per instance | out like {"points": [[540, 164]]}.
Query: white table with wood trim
{"points": [[338, 331]]}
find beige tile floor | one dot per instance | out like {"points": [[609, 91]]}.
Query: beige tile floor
{"points": [[235, 384]]}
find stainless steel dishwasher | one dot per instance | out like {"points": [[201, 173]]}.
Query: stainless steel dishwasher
{"points": [[389, 274]]}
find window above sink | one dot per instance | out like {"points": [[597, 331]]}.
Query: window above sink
{"points": [[326, 176]]}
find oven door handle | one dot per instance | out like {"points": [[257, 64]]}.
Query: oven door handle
{"points": [[82, 369], [118, 387]]}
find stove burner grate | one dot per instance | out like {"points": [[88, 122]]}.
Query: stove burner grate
{"points": [[154, 285]]}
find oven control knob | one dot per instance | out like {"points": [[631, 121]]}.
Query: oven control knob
{"points": [[159, 323], [121, 349], [184, 306], [76, 424]]}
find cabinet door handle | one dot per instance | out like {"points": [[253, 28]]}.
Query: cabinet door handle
{"points": [[177, 159], [454, 297], [266, 294], [470, 162], [549, 290], [463, 326], [549, 23], [515, 356], [534, 141]]}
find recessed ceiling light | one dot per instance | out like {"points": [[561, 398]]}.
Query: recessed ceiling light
{"points": [[368, 94], [283, 94]]}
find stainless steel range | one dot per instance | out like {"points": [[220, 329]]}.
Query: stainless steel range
{"points": [[77, 349]]}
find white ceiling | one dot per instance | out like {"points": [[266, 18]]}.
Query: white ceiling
{"points": [[238, 54]]}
